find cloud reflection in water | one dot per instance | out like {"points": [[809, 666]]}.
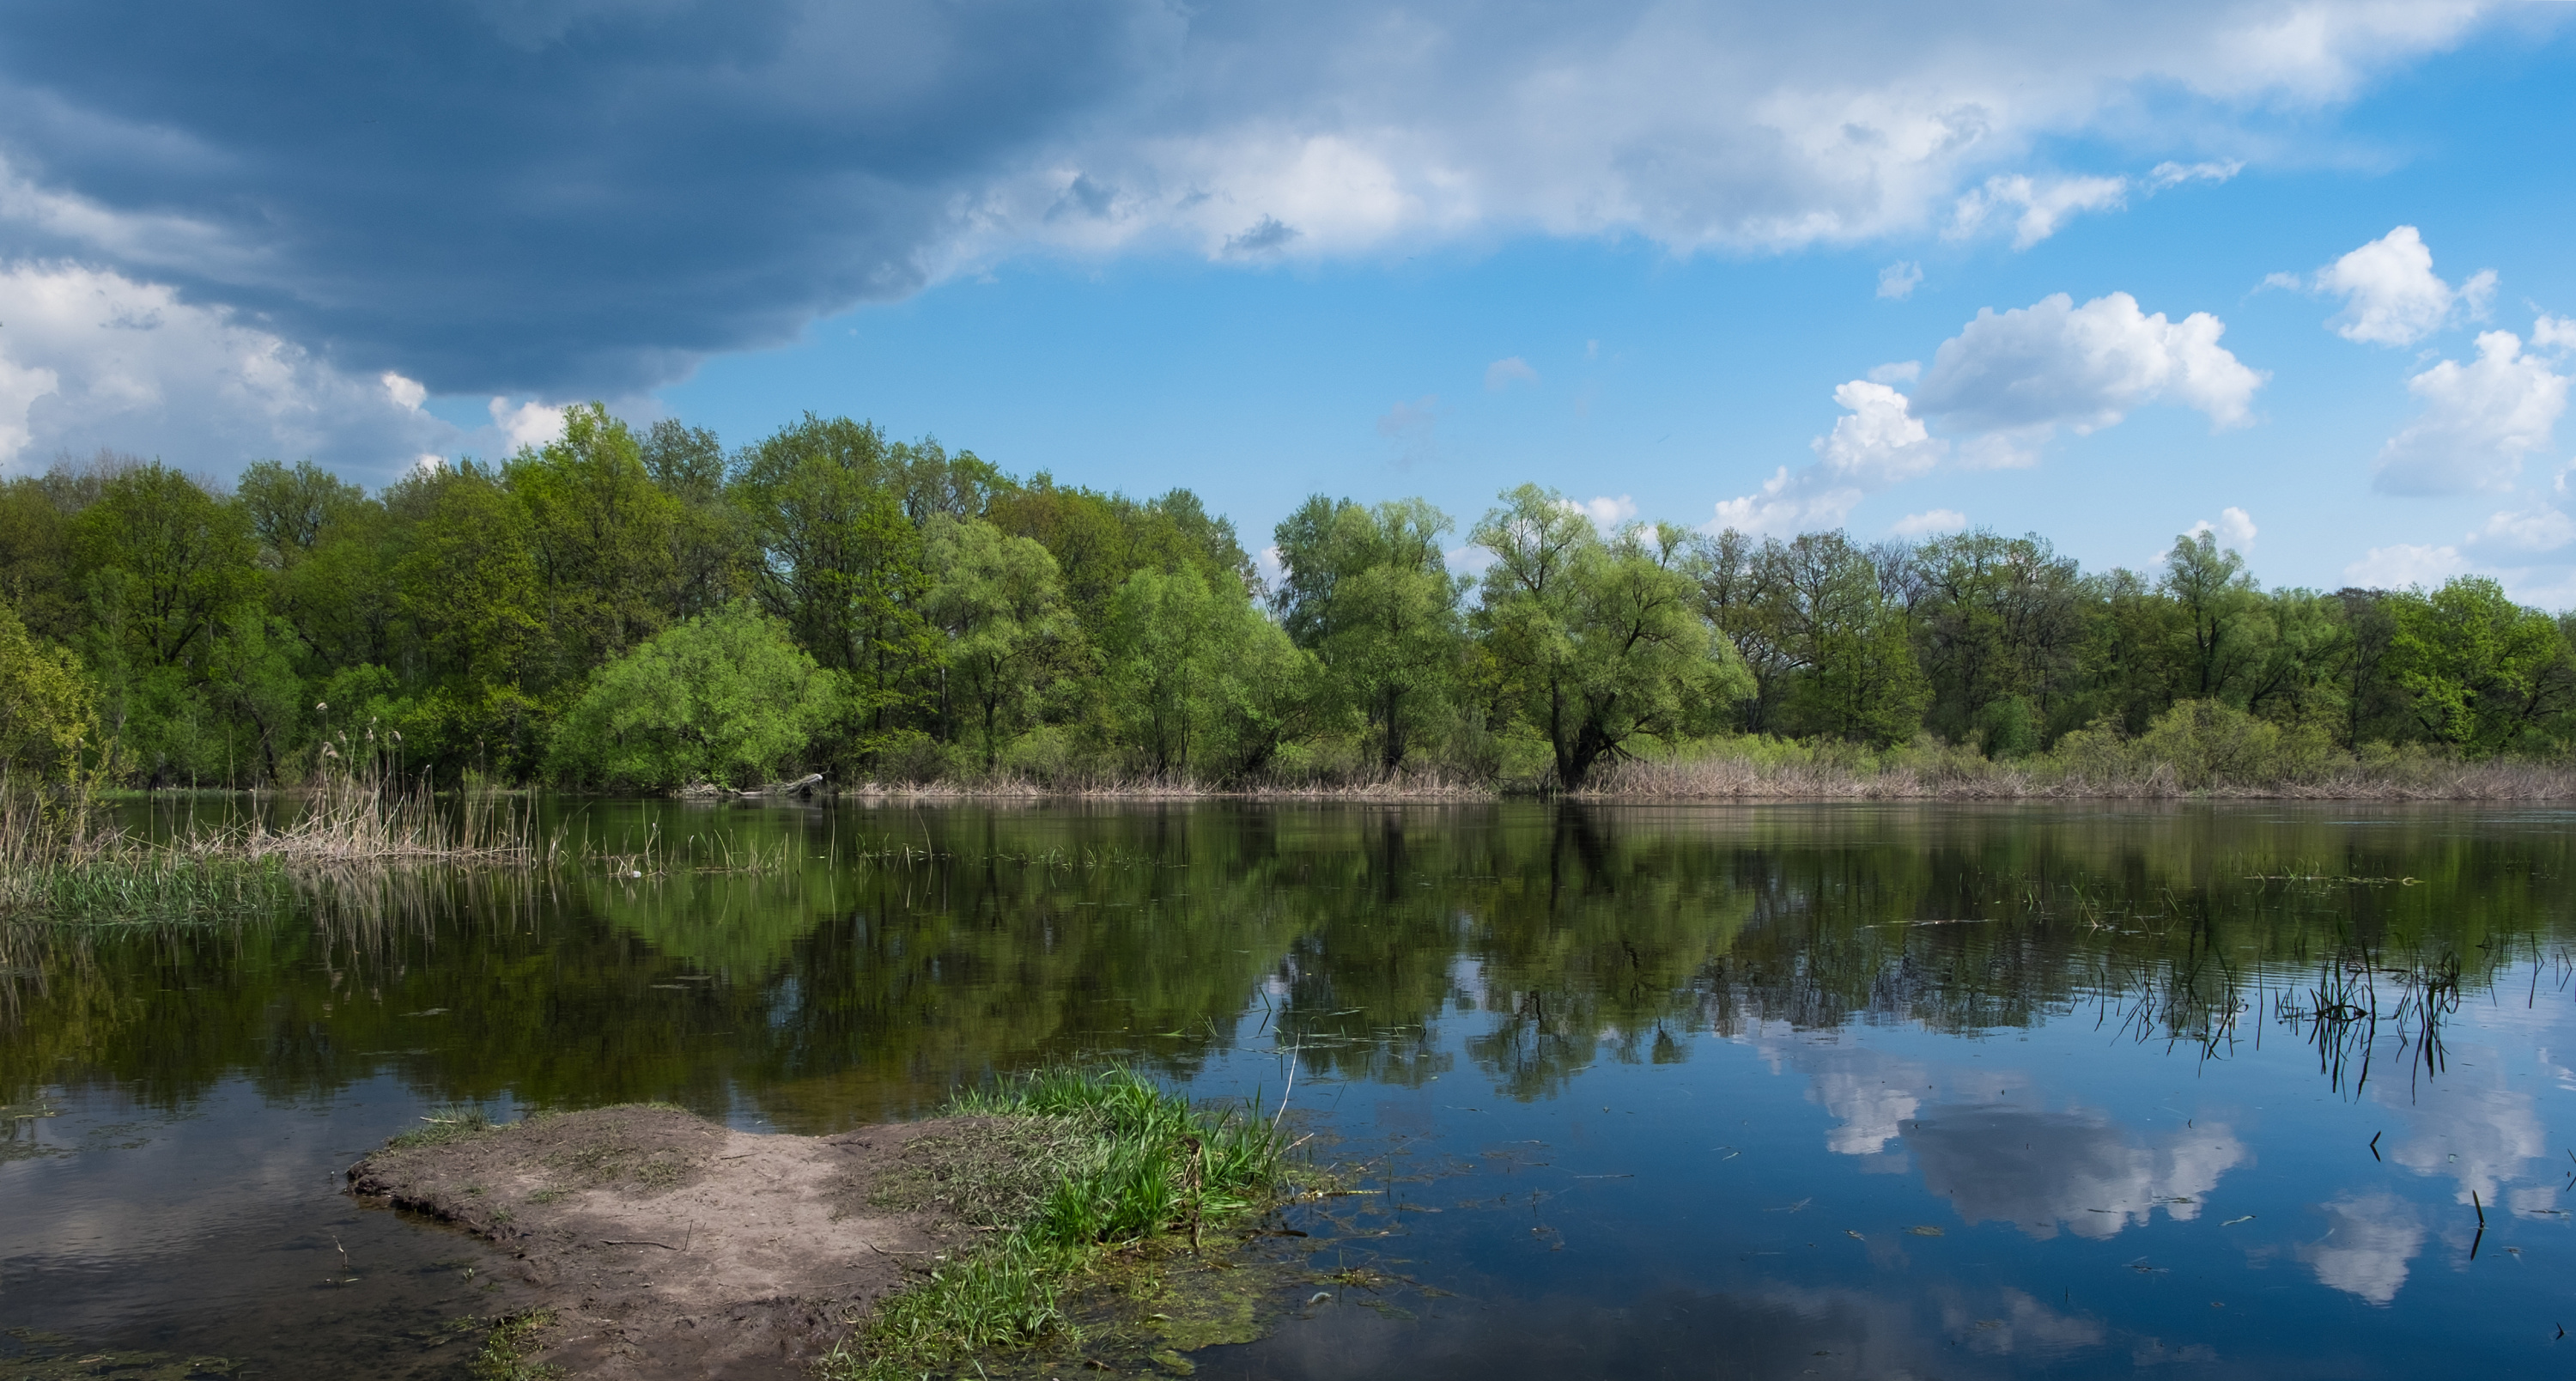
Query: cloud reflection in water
{"points": [[2038, 1170]]}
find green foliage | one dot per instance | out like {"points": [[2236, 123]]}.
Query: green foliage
{"points": [[48, 710], [2481, 672], [1599, 643], [1197, 680], [976, 625], [1369, 592], [1009, 637], [725, 697]]}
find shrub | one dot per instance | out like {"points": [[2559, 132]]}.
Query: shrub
{"points": [[726, 697]]}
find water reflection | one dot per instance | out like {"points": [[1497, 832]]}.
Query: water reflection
{"points": [[1671, 1029], [2040, 1171], [2368, 1240]]}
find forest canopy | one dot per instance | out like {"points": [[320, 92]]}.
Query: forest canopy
{"points": [[632, 608]]}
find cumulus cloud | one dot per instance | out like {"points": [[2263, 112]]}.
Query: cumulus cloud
{"points": [[2018, 376], [1502, 374], [2391, 294], [2234, 529], [90, 358], [2002, 386], [529, 424], [1606, 513], [2479, 421], [1930, 522], [557, 201], [1878, 442], [2403, 565], [1898, 280]]}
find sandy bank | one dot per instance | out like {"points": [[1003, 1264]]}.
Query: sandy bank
{"points": [[667, 1246]]}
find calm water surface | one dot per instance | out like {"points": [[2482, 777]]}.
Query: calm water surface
{"points": [[1845, 1091]]}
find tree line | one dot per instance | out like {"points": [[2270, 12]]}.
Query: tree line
{"points": [[630, 608]]}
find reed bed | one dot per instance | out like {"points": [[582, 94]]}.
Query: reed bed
{"points": [[1762, 770], [65, 860]]}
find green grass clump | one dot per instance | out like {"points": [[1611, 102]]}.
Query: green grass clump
{"points": [[443, 1125], [507, 1348], [1127, 1162]]}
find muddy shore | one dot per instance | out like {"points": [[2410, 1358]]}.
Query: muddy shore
{"points": [[664, 1246]]}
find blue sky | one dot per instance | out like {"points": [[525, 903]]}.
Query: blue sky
{"points": [[1704, 263]]}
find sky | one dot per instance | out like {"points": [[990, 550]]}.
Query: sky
{"points": [[2293, 272]]}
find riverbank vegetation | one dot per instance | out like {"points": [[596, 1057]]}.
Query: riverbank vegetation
{"points": [[1079, 1165], [629, 609]]}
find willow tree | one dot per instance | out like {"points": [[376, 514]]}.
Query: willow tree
{"points": [[1601, 641]]}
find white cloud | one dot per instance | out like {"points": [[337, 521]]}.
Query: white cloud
{"points": [[2044, 206], [1804, 502], [1878, 441], [2534, 529], [1898, 280], [2166, 175], [2391, 294], [407, 394], [2235, 530], [2368, 1242], [1901, 372], [2021, 374], [529, 424], [1931, 522], [1502, 374], [1693, 124], [2403, 565], [1606, 513], [90, 358], [2479, 421], [1875, 444], [2553, 333]]}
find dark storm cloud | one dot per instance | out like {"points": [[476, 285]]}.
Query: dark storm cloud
{"points": [[576, 195]]}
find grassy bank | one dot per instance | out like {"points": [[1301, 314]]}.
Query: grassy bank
{"points": [[2197, 749], [1087, 1165]]}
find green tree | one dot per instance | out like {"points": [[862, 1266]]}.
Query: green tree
{"points": [[1858, 678], [48, 710], [166, 561], [2221, 612], [841, 565], [2482, 672], [1739, 596], [726, 697], [710, 552], [289, 510], [1001, 605], [602, 534], [1601, 640], [1172, 652], [1369, 592]]}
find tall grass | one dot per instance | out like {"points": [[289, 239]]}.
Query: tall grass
{"points": [[65, 859], [2195, 749], [1126, 1163]]}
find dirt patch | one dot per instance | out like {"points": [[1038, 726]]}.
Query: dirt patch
{"points": [[667, 1246]]}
